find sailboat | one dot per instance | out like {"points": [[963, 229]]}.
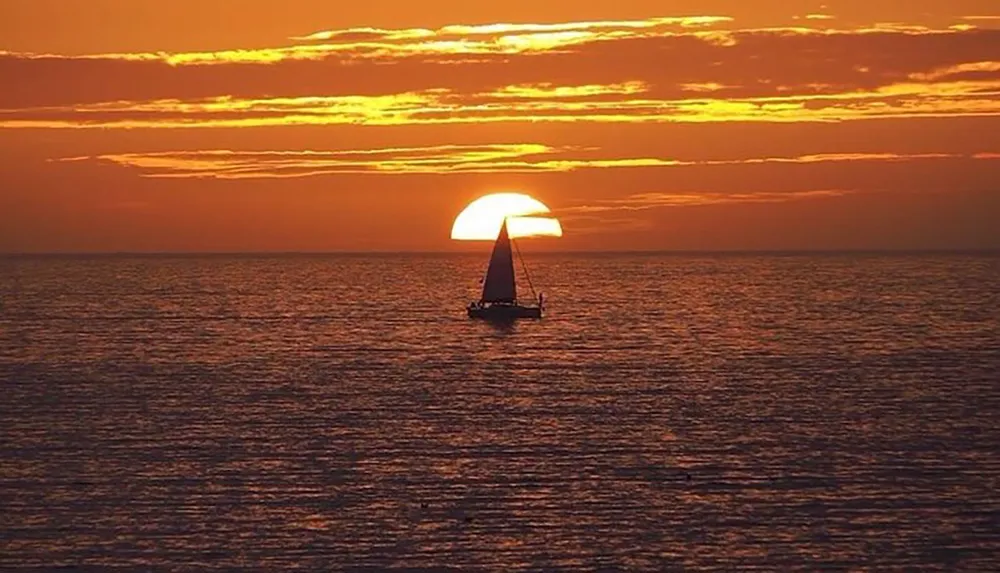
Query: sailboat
{"points": [[499, 300]]}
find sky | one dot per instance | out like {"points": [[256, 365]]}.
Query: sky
{"points": [[309, 125]]}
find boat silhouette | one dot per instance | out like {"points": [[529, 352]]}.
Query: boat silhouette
{"points": [[499, 299]]}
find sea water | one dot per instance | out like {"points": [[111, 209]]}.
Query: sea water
{"points": [[696, 412]]}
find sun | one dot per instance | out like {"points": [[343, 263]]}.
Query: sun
{"points": [[481, 220]]}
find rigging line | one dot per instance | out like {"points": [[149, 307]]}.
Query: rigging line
{"points": [[525, 268]]}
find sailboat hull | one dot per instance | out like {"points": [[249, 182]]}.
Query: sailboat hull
{"points": [[504, 312]]}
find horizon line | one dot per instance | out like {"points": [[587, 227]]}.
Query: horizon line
{"points": [[251, 253]]}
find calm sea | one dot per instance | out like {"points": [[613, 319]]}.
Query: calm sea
{"points": [[695, 412]]}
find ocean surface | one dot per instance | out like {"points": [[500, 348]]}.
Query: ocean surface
{"points": [[670, 412]]}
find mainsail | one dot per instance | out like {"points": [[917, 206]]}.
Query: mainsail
{"points": [[499, 285]]}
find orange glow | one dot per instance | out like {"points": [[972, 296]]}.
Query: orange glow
{"points": [[149, 126]]}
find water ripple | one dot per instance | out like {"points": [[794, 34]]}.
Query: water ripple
{"points": [[734, 413]]}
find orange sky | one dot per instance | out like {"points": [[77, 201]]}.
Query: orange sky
{"points": [[221, 126]]}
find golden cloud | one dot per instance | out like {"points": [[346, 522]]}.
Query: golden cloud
{"points": [[563, 72], [440, 160], [645, 201]]}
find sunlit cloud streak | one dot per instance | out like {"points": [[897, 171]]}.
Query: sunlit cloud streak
{"points": [[646, 201], [439, 160], [805, 55], [386, 44], [655, 70], [504, 30], [971, 89], [606, 216]]}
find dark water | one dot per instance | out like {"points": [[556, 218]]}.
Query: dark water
{"points": [[670, 412]]}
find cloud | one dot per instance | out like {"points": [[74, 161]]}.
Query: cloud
{"points": [[439, 160], [966, 90], [655, 70], [646, 201], [497, 32], [607, 216], [227, 164], [355, 35], [602, 224], [613, 216]]}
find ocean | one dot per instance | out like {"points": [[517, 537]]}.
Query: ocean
{"points": [[692, 412]]}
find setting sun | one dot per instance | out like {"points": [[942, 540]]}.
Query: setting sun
{"points": [[481, 220]]}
